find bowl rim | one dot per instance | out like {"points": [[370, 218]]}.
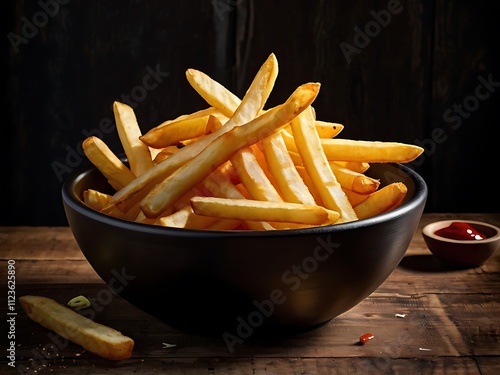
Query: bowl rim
{"points": [[70, 199], [429, 229]]}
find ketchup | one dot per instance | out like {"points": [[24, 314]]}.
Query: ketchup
{"points": [[460, 231]]}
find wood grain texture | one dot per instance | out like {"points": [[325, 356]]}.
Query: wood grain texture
{"points": [[449, 322]]}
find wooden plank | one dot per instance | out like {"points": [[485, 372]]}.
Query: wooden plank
{"points": [[450, 322], [29, 272], [277, 366], [443, 325], [40, 243]]}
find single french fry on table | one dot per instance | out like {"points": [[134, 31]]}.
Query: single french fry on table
{"points": [[97, 338]]}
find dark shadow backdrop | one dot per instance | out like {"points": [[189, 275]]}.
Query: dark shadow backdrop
{"points": [[425, 72]]}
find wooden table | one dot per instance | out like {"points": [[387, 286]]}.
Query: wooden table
{"points": [[449, 320]]}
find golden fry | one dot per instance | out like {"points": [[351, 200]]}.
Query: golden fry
{"points": [[214, 123], [355, 198], [246, 209], [316, 164], [225, 224], [281, 166], [138, 155], [219, 185], [382, 200], [354, 181], [356, 166], [165, 153], [328, 129], [99, 339], [250, 106], [254, 162], [225, 146], [253, 177], [176, 132], [107, 162], [213, 92], [95, 199], [186, 218], [370, 151], [310, 184]]}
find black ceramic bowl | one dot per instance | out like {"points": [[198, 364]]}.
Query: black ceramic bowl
{"points": [[236, 282]]}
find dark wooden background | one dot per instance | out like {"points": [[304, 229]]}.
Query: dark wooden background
{"points": [[419, 77]]}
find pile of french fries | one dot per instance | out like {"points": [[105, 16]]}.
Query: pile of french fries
{"points": [[237, 166]]}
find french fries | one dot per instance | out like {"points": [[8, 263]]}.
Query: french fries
{"points": [[369, 151], [228, 104], [138, 154], [382, 200], [99, 339], [281, 166], [248, 209], [117, 173], [316, 164], [237, 165], [176, 132], [222, 148]]}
